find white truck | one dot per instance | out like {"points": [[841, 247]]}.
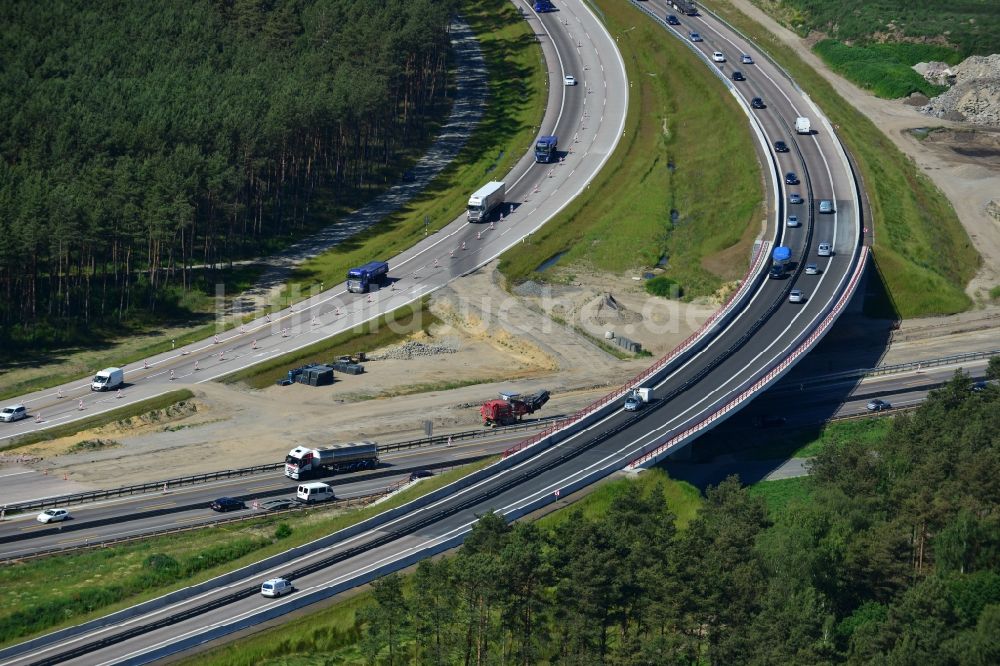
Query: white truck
{"points": [[301, 462], [485, 200], [802, 125], [108, 379]]}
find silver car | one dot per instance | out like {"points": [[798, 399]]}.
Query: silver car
{"points": [[745, 59], [811, 269], [793, 221], [824, 250], [796, 296], [825, 206], [13, 413]]}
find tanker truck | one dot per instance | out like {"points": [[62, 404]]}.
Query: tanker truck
{"points": [[301, 463]]}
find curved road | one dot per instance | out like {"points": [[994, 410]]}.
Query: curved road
{"points": [[745, 351]]}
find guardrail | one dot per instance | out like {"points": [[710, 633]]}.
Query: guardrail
{"points": [[179, 482]]}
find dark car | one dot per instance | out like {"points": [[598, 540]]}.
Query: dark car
{"points": [[695, 37], [421, 474], [738, 76], [672, 20], [791, 178], [757, 103], [877, 405], [780, 147], [227, 504]]}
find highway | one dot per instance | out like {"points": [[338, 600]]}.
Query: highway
{"points": [[187, 506], [748, 346]]}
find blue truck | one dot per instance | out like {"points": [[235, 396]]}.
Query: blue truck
{"points": [[545, 149], [779, 261], [361, 279]]}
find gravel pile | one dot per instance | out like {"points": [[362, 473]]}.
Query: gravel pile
{"points": [[413, 349], [529, 288], [975, 95]]}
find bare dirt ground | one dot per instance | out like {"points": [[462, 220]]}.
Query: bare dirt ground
{"points": [[500, 342], [963, 161]]}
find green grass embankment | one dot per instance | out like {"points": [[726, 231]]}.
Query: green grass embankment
{"points": [[332, 635], [518, 90], [152, 405], [58, 591], [922, 252], [684, 183], [885, 70]]}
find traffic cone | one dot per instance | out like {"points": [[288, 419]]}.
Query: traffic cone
{"points": [[221, 357], [171, 375], [369, 298], [119, 393], [451, 253], [284, 332], [59, 394], [267, 317], [479, 235], [38, 417], [463, 245], [80, 406], [216, 339], [436, 264], [196, 368], [253, 345], [243, 329], [336, 312], [145, 364]]}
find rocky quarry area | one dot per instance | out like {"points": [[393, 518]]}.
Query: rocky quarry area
{"points": [[974, 95]]}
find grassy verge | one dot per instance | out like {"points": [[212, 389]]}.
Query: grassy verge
{"points": [[122, 413], [386, 330], [921, 249], [331, 635], [649, 203], [518, 81], [53, 592]]}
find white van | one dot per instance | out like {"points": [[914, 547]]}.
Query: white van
{"points": [[314, 492], [275, 587], [108, 379]]}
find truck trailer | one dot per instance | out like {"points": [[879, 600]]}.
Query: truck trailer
{"points": [[485, 200], [301, 462], [361, 279], [545, 149]]}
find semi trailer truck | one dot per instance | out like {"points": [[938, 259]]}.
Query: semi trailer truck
{"points": [[545, 149], [360, 280], [485, 200], [780, 257], [302, 462]]}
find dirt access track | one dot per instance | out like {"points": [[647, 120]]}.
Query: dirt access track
{"points": [[962, 160]]}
